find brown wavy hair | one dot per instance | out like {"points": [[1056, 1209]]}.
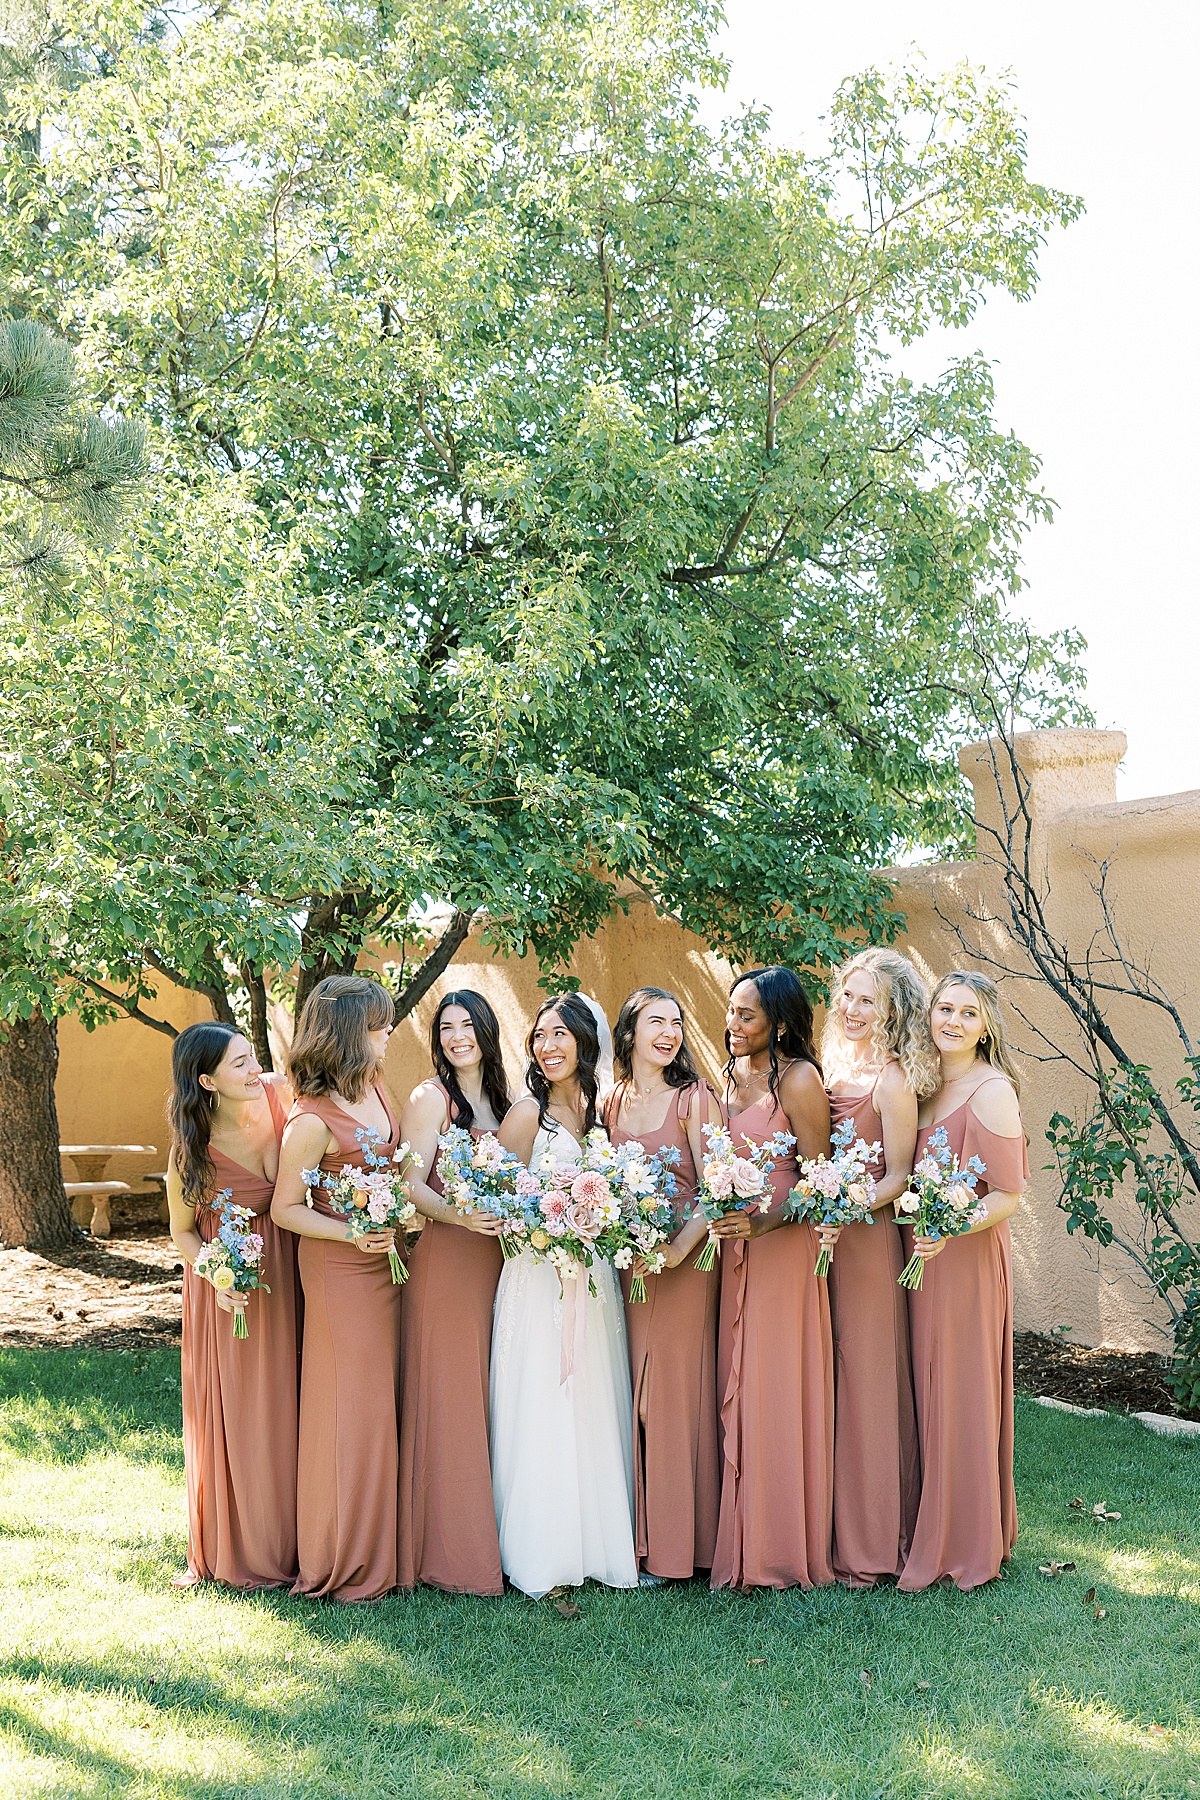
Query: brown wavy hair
{"points": [[681, 1071], [993, 1045], [198, 1050], [487, 1036], [580, 1021], [330, 1052]]}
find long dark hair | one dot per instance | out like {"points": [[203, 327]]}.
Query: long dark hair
{"points": [[788, 1008], [579, 1020], [330, 1052], [487, 1036], [681, 1071], [198, 1050]]}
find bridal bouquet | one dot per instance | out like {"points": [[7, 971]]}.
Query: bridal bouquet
{"points": [[374, 1198], [731, 1181], [231, 1260], [482, 1176], [942, 1202], [836, 1190], [579, 1211], [645, 1186]]}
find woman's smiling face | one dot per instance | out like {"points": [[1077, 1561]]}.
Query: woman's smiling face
{"points": [[554, 1048]]}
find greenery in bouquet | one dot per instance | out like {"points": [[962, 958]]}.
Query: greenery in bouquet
{"points": [[836, 1190], [232, 1261], [734, 1180], [373, 1198], [941, 1202], [479, 1175]]}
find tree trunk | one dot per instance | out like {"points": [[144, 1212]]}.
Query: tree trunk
{"points": [[33, 1205], [256, 987]]}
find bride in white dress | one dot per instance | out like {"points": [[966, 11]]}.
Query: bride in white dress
{"points": [[562, 1449]]}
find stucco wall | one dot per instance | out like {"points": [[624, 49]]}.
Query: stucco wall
{"points": [[112, 1082]]}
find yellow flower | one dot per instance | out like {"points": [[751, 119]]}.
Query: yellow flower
{"points": [[538, 1239], [223, 1278]]}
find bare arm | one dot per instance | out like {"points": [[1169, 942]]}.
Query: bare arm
{"points": [[187, 1239], [806, 1104], [519, 1129], [695, 1230], [997, 1109], [897, 1107], [306, 1140], [422, 1122]]}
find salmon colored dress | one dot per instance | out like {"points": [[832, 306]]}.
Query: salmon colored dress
{"points": [[240, 1401], [346, 1508], [961, 1322], [448, 1535], [673, 1365], [775, 1378], [876, 1463]]}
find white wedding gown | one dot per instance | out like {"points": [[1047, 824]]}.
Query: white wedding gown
{"points": [[562, 1452]]}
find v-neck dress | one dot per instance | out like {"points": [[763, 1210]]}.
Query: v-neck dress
{"points": [[876, 1463], [241, 1399], [447, 1515], [775, 1379], [673, 1364], [961, 1320], [346, 1509]]}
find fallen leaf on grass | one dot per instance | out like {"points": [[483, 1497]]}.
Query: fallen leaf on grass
{"points": [[1056, 1568], [866, 1677], [1100, 1612], [1077, 1505], [1100, 1512], [922, 1687], [567, 1608], [755, 1662], [1088, 1597], [1158, 1731]]}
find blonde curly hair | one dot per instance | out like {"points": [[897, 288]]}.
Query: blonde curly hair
{"points": [[901, 1027]]}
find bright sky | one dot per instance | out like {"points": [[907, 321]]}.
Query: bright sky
{"points": [[1100, 372]]}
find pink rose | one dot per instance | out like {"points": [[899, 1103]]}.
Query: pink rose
{"points": [[581, 1220], [379, 1206], [747, 1180], [590, 1189], [719, 1179]]}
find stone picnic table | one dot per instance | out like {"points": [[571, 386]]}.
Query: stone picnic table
{"points": [[91, 1195]]}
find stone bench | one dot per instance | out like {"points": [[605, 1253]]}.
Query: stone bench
{"points": [[158, 1180], [90, 1202]]}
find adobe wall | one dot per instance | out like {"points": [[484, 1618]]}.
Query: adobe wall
{"points": [[112, 1083]]}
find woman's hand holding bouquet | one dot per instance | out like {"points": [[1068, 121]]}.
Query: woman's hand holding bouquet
{"points": [[373, 1200], [735, 1182], [232, 1260], [488, 1186], [940, 1204], [836, 1190]]}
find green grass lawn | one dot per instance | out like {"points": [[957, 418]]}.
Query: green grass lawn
{"points": [[111, 1683]]}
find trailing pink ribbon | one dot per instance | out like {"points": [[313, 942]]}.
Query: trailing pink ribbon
{"points": [[573, 1334]]}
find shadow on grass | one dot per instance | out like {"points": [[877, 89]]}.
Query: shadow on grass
{"points": [[64, 1406]]}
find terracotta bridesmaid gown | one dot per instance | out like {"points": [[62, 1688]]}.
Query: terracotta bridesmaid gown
{"points": [[240, 1402], [961, 1322], [448, 1535], [346, 1509], [876, 1463], [775, 1377], [673, 1365]]}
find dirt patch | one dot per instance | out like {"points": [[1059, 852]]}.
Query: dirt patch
{"points": [[1120, 1380], [111, 1293]]}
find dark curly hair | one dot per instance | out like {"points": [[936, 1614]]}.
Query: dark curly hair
{"points": [[789, 1010], [487, 1036], [579, 1021], [681, 1071]]}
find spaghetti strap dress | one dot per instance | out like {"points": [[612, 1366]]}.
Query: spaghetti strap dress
{"points": [[775, 1379], [448, 1535], [673, 1364], [961, 1321], [241, 1401], [876, 1463], [346, 1507]]}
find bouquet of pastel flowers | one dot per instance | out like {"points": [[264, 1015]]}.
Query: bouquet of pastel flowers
{"points": [[480, 1175], [373, 1198], [731, 1181], [942, 1202], [837, 1189], [232, 1260], [645, 1186], [579, 1212]]}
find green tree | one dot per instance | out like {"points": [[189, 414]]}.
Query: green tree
{"points": [[573, 416], [63, 473]]}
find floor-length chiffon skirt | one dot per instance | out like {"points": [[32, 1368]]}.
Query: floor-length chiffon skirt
{"points": [[562, 1451], [447, 1514], [676, 1445], [346, 1514], [775, 1376]]}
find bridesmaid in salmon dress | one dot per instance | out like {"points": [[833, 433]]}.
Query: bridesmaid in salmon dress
{"points": [[240, 1395], [660, 1101], [775, 1348], [346, 1511], [448, 1535], [879, 1063], [961, 1319]]}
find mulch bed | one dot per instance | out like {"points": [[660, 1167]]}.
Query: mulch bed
{"points": [[1121, 1380], [126, 1292]]}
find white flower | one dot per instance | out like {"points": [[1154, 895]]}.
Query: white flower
{"points": [[623, 1257]]}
